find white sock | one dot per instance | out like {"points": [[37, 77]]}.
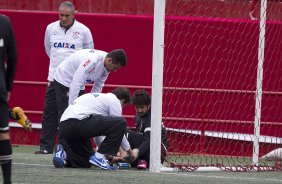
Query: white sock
{"points": [[99, 155]]}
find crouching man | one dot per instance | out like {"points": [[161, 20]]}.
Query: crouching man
{"points": [[91, 115]]}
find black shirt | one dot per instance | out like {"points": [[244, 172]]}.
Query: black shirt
{"points": [[143, 126], [8, 54]]}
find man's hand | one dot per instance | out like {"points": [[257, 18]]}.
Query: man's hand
{"points": [[133, 154], [115, 159], [18, 114]]}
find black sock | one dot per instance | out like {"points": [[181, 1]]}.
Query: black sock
{"points": [[6, 160]]}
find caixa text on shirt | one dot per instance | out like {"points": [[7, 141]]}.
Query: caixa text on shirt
{"points": [[64, 45]]}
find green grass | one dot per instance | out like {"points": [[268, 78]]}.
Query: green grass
{"points": [[31, 168]]}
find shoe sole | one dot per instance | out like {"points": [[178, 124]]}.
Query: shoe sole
{"points": [[102, 167], [58, 163]]}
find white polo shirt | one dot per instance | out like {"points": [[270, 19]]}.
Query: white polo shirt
{"points": [[82, 67], [104, 104], [60, 43]]}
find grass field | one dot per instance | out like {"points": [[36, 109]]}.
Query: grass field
{"points": [[31, 168]]}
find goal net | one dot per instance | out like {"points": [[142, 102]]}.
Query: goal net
{"points": [[222, 84]]}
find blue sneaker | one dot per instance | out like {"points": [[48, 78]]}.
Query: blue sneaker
{"points": [[101, 162], [59, 156]]}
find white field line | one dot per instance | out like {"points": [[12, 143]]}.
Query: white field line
{"points": [[181, 174], [40, 165], [225, 177]]}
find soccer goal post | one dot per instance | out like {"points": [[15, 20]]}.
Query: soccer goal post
{"points": [[216, 85], [157, 85]]}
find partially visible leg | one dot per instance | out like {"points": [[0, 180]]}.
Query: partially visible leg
{"points": [[5, 144], [81, 151], [98, 140], [135, 140], [122, 153], [111, 127], [114, 129], [6, 157], [49, 120], [80, 147], [62, 101]]}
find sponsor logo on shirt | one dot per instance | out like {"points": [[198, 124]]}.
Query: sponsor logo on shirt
{"points": [[64, 45], [86, 63], [75, 35], [91, 71]]}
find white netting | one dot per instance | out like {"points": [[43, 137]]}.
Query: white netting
{"points": [[210, 77]]}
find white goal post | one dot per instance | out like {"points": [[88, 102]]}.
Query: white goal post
{"points": [[157, 85], [259, 81]]}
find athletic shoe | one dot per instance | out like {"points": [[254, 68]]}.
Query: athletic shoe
{"points": [[142, 164], [101, 162], [123, 165], [45, 152], [59, 156]]}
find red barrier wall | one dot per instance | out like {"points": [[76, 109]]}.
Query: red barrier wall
{"points": [[134, 34], [225, 58]]}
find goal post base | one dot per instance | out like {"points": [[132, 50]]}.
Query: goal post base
{"points": [[220, 169]]}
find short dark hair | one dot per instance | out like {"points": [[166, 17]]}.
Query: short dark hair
{"points": [[118, 56], [122, 94], [141, 97]]}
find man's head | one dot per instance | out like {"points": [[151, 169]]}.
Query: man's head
{"points": [[123, 94], [115, 60], [66, 14], [142, 102]]}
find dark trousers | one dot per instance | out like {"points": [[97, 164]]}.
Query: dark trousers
{"points": [[56, 101], [135, 140], [5, 145], [78, 133], [4, 115]]}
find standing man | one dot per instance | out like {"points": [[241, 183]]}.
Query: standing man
{"points": [[84, 66], [91, 115], [62, 38], [8, 62]]}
